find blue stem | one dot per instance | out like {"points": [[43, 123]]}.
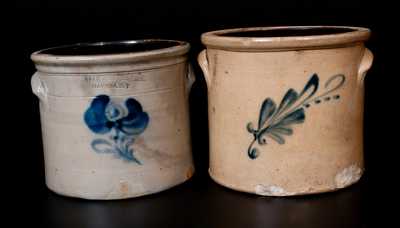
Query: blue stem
{"points": [[252, 152]]}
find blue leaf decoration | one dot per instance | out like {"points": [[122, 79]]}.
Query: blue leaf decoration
{"points": [[275, 123], [295, 117], [283, 130], [267, 110], [311, 85], [127, 154], [279, 139], [288, 100], [102, 146]]}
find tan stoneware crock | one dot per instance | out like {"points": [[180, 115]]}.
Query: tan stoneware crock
{"points": [[286, 107], [114, 117]]}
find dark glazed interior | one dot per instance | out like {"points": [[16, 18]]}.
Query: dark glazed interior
{"points": [[287, 32], [109, 48]]}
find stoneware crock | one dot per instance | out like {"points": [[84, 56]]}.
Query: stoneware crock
{"points": [[286, 107], [114, 117]]}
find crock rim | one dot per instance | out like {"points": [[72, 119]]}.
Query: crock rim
{"points": [[178, 49], [220, 39]]}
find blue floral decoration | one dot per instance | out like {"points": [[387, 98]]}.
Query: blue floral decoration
{"points": [[122, 123], [275, 122]]}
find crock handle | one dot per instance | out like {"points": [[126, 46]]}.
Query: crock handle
{"points": [[366, 63], [203, 62], [38, 87], [190, 78]]}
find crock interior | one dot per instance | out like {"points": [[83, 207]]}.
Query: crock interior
{"points": [[288, 32], [109, 48]]}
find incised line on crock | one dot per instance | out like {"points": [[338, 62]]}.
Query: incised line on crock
{"points": [[122, 123], [276, 123]]}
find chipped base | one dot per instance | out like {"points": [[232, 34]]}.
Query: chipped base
{"points": [[345, 178], [270, 190], [348, 176]]}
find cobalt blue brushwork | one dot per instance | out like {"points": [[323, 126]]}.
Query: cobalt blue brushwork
{"points": [[120, 122], [276, 122]]}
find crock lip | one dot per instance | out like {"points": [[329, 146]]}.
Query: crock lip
{"points": [[40, 58], [214, 39]]}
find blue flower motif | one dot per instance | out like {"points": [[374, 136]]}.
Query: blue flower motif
{"points": [[104, 115], [122, 122]]}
